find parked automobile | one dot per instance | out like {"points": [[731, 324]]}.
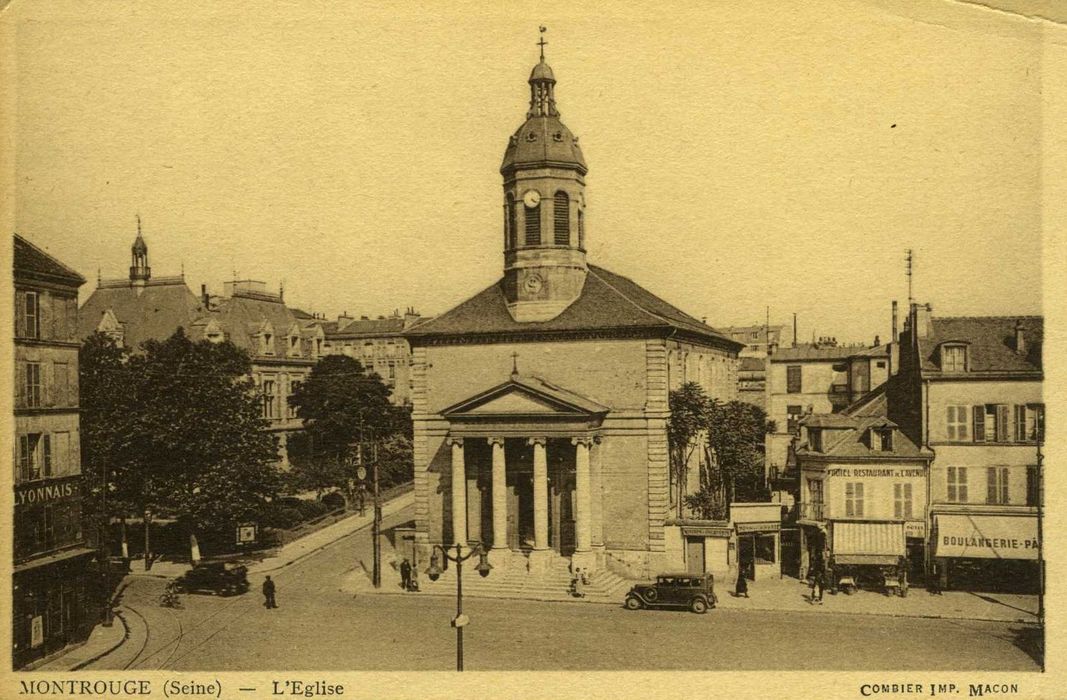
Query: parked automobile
{"points": [[693, 591], [215, 577]]}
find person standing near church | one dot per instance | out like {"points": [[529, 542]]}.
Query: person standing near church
{"points": [[741, 589], [268, 594]]}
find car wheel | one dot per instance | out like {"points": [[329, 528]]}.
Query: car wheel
{"points": [[698, 605], [633, 602]]}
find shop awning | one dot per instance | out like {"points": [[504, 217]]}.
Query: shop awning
{"points": [[868, 543], [54, 558], [986, 536]]}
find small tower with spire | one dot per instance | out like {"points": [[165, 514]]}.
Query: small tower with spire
{"points": [[544, 207], [140, 272]]}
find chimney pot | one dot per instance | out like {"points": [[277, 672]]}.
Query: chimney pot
{"points": [[1020, 338]]}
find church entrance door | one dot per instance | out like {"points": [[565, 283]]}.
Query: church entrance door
{"points": [[561, 500]]}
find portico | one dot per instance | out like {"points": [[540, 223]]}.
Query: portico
{"points": [[525, 472]]}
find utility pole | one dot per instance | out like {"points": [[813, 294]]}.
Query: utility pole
{"points": [[376, 530]]}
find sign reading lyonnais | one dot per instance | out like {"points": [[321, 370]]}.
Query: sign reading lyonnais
{"points": [[986, 537], [46, 492], [852, 472]]}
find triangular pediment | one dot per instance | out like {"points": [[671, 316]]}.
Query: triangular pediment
{"points": [[525, 397]]}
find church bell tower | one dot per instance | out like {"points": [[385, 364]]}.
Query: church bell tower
{"points": [[544, 208]]}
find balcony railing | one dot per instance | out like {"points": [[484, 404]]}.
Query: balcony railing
{"points": [[812, 511]]}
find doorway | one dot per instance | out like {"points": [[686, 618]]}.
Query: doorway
{"points": [[694, 555]]}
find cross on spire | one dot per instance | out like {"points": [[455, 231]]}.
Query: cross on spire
{"points": [[138, 224], [542, 43]]}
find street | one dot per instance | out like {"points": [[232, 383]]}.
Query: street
{"points": [[317, 627]]}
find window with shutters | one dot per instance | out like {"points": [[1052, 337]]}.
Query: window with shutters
{"points": [[268, 398], [991, 423], [854, 500], [902, 501], [1033, 486], [35, 456], [957, 484], [29, 320], [953, 358], [1029, 423], [561, 219], [533, 225], [61, 385], [293, 386], [792, 379], [32, 391], [793, 415], [996, 485], [957, 422]]}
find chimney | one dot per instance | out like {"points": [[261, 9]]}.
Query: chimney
{"points": [[1020, 338], [877, 341], [921, 325], [893, 338], [203, 294]]}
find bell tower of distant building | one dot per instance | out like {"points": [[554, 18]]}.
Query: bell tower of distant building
{"points": [[140, 272], [544, 208]]}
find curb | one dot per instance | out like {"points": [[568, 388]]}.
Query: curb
{"points": [[93, 659], [719, 607]]}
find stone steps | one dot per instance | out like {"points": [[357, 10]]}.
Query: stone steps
{"points": [[551, 584]]}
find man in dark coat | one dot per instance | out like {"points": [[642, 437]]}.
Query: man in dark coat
{"points": [[818, 583], [742, 583], [268, 594], [405, 575]]}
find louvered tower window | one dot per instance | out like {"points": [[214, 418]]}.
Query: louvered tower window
{"points": [[581, 229], [533, 225], [511, 225], [562, 219]]}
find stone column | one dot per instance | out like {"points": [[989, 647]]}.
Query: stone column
{"points": [[596, 489], [459, 492], [540, 489], [583, 515], [500, 495]]}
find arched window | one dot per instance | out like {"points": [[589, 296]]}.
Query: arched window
{"points": [[511, 225], [581, 229], [562, 219], [533, 225]]}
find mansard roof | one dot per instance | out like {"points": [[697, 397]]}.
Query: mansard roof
{"points": [[990, 341], [608, 303], [161, 308]]}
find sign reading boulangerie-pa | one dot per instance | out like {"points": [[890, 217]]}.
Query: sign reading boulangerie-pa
{"points": [[987, 536]]}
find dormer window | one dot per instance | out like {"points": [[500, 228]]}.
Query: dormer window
{"points": [[266, 345], [815, 439], [294, 345], [880, 439], [953, 358]]}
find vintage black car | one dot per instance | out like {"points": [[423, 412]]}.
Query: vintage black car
{"points": [[215, 577], [693, 591]]}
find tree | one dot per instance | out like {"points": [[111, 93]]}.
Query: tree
{"points": [[686, 432], [736, 433], [343, 406], [178, 428]]}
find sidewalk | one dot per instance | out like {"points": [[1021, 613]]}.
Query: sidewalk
{"points": [[264, 563], [790, 595], [130, 631]]}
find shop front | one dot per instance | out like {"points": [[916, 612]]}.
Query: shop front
{"points": [[757, 527], [985, 551], [867, 554]]}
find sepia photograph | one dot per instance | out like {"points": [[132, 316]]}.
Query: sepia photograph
{"points": [[365, 338]]}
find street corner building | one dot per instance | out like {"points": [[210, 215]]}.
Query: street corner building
{"points": [[540, 404], [282, 343], [52, 564]]}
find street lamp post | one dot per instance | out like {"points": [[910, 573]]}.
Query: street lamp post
{"points": [[105, 536], [434, 572]]}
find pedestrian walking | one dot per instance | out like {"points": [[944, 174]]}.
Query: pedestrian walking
{"points": [[405, 575], [268, 594], [741, 589], [818, 585]]}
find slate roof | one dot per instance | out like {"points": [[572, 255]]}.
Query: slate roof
{"points": [[162, 307], [869, 411], [241, 318], [990, 341], [752, 364], [370, 327], [607, 302], [29, 260]]}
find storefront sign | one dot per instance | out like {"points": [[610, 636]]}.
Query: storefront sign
{"points": [[915, 528], [37, 631], [47, 492], [705, 531], [896, 473], [758, 527], [986, 536], [246, 533]]}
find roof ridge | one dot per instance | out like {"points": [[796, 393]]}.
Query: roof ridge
{"points": [[667, 321], [431, 319], [1009, 317], [57, 261]]}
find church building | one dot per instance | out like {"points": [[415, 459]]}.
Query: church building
{"points": [[540, 404]]}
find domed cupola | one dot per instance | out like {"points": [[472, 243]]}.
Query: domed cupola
{"points": [[544, 208]]}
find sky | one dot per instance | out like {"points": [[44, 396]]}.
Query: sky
{"points": [[742, 156]]}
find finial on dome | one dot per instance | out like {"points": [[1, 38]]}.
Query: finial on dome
{"points": [[542, 42]]}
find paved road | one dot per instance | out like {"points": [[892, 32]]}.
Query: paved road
{"points": [[317, 627]]}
